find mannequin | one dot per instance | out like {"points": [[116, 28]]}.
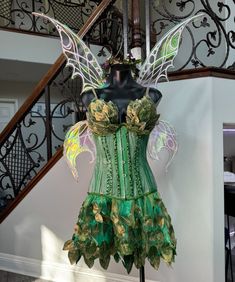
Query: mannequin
{"points": [[122, 89]]}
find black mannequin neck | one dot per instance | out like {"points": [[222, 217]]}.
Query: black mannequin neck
{"points": [[120, 76], [121, 89]]}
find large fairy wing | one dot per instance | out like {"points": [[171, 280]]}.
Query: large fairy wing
{"points": [[78, 56], [163, 136], [78, 140], [162, 56]]}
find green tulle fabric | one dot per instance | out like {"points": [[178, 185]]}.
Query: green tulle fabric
{"points": [[129, 230]]}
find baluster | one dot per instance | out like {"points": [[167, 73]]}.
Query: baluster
{"points": [[48, 122], [136, 34]]}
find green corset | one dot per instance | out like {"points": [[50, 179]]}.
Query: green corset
{"points": [[121, 168]]}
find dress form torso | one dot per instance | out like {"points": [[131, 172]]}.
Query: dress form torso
{"points": [[122, 89]]}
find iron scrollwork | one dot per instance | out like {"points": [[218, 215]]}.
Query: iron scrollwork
{"points": [[210, 39], [26, 150], [17, 166], [18, 14]]}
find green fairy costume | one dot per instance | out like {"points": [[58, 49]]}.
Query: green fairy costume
{"points": [[123, 215]]}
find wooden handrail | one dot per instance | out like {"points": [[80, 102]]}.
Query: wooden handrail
{"points": [[49, 76], [202, 72]]}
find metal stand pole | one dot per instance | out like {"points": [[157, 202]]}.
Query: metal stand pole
{"points": [[142, 276], [230, 250]]}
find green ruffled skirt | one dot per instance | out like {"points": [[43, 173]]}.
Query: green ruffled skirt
{"points": [[129, 230]]}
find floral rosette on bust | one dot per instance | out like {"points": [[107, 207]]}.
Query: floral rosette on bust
{"points": [[103, 117]]}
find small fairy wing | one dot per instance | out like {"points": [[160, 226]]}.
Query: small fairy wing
{"points": [[163, 136], [78, 56], [78, 140], [162, 56]]}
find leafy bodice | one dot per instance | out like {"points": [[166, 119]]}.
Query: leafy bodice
{"points": [[141, 116]]}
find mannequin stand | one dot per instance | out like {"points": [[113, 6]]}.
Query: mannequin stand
{"points": [[142, 276]]}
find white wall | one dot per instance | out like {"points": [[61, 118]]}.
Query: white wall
{"points": [[187, 189], [192, 191], [223, 113], [16, 90], [28, 48]]}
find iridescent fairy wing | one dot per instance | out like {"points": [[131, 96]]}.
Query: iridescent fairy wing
{"points": [[78, 56], [163, 136], [78, 140], [162, 56]]}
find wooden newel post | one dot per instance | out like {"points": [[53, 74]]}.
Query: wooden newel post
{"points": [[136, 34]]}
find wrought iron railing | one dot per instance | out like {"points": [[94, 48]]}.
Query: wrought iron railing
{"points": [[39, 134], [208, 42], [18, 14], [37, 130]]}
